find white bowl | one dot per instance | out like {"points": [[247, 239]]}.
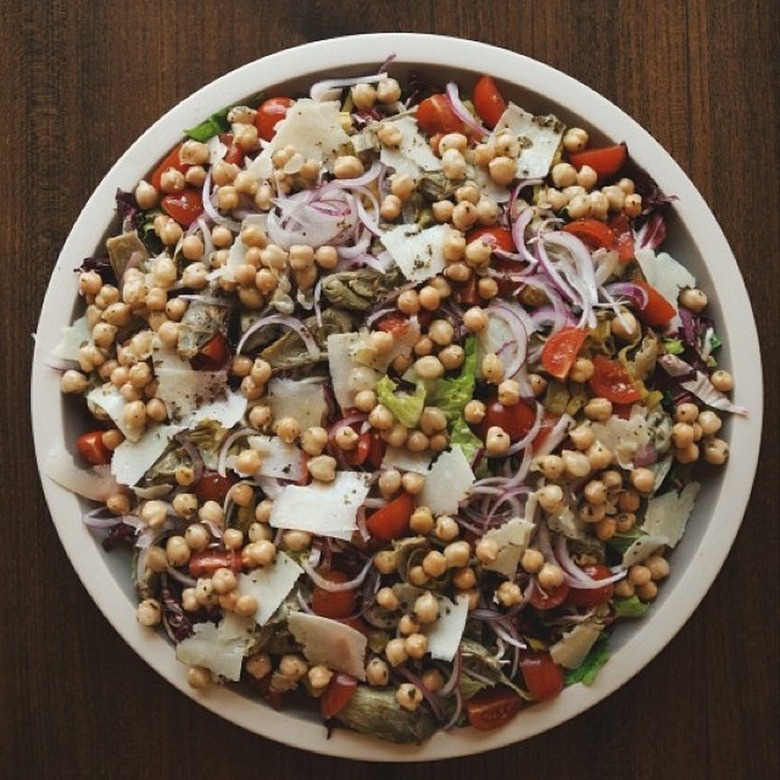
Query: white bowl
{"points": [[694, 238]]}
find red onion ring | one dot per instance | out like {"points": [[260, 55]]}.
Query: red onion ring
{"points": [[288, 322], [462, 112], [336, 587]]}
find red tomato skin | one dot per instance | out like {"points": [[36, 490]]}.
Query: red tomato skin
{"points": [[435, 115], [550, 598], [359, 454], [605, 160], [560, 351], [269, 114], [488, 101], [516, 420], [549, 421], [91, 448], [333, 604], [611, 381], [392, 520], [213, 487], [592, 597], [543, 677], [657, 310], [593, 232], [340, 690], [492, 707], [185, 206], [234, 153], [171, 160], [624, 238], [205, 562], [376, 450], [213, 354], [502, 236]]}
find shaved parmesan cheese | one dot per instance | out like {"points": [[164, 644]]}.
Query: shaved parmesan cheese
{"points": [[270, 585], [641, 549], [567, 523], [181, 388], [447, 483], [278, 459], [217, 149], [322, 509], [705, 391], [131, 460], [225, 411], [73, 338], [539, 136], [340, 350], [96, 483], [414, 154], [512, 539], [667, 515], [305, 401], [418, 253], [445, 633], [220, 649], [405, 460], [325, 641], [112, 402], [666, 275], [572, 649], [313, 128]]}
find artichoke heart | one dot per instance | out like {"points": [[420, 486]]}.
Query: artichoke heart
{"points": [[358, 290]]}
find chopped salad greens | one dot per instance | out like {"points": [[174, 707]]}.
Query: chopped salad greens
{"points": [[398, 402]]}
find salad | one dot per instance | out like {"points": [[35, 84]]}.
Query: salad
{"points": [[395, 400]]}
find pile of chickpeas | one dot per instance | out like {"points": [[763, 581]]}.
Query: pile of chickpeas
{"points": [[607, 501]]}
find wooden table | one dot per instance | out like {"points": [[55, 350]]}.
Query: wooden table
{"points": [[82, 79]]}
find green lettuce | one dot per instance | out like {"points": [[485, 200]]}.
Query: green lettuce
{"points": [[405, 407], [631, 607], [217, 123], [587, 671]]}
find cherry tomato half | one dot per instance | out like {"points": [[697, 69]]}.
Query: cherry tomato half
{"points": [[333, 603], [338, 693], [549, 421], [91, 448], [516, 420], [595, 233], [624, 238], [492, 707], [488, 101], [205, 562], [501, 237], [560, 351], [358, 455], [269, 114], [185, 206], [234, 154], [543, 677], [435, 115], [213, 487], [657, 310], [391, 521], [212, 355], [550, 598], [592, 597], [611, 381], [606, 160], [171, 160]]}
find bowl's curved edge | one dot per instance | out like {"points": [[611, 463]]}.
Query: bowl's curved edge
{"points": [[283, 66]]}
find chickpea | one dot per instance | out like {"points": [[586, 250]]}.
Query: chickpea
{"points": [[576, 464], [575, 139], [689, 454], [509, 593], [452, 356], [550, 576], [413, 483], [648, 591], [73, 381], [497, 441], [426, 607], [429, 298], [579, 206], [643, 480], [224, 580], [550, 498], [177, 550], [442, 212], [587, 178], [446, 528], [694, 299], [599, 456], [722, 380], [502, 170], [716, 451], [475, 319], [384, 561], [658, 567], [638, 574], [628, 501], [563, 175], [198, 677], [624, 326], [464, 578], [486, 550], [605, 529], [632, 206], [148, 612], [686, 412], [464, 215], [377, 672], [582, 437], [492, 368], [551, 466], [347, 167], [429, 367], [197, 537], [409, 696], [453, 164], [598, 409], [421, 521], [532, 561], [322, 468]]}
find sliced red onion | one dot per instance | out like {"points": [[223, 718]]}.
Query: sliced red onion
{"points": [[179, 576], [320, 89], [210, 209], [303, 219], [93, 519], [462, 112], [629, 290], [556, 435], [551, 272], [509, 636], [521, 327], [227, 444], [288, 322], [566, 562], [360, 247], [519, 226], [336, 587], [573, 582], [376, 169]]}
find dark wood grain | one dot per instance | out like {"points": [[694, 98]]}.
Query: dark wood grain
{"points": [[81, 80]]}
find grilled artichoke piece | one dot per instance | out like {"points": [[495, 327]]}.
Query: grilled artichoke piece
{"points": [[358, 290], [200, 323], [289, 351], [376, 712], [124, 250]]}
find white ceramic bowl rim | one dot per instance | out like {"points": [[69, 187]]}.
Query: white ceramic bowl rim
{"points": [[701, 555]]}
